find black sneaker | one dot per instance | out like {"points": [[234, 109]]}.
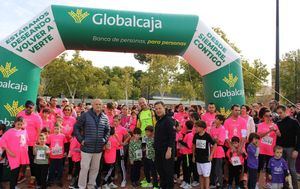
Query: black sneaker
{"points": [[60, 184]]}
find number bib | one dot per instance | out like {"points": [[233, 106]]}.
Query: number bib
{"points": [[267, 140], [139, 154], [40, 155], [236, 161], [201, 144]]}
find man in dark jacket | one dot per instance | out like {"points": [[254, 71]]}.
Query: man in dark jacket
{"points": [[289, 140], [164, 145], [92, 131]]}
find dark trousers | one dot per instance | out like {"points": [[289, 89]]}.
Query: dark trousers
{"points": [[234, 174], [75, 174], [31, 160], [217, 172], [14, 173], [56, 170], [178, 163], [121, 164], [108, 168], [135, 171], [41, 175], [252, 178], [195, 172], [187, 167], [70, 162], [165, 169], [150, 170], [1, 172]]}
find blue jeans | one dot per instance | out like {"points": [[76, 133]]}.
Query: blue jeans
{"points": [[56, 170]]}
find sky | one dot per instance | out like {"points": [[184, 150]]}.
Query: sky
{"points": [[250, 24]]}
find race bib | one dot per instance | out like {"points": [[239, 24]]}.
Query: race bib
{"points": [[57, 150], [267, 140], [236, 161], [201, 144], [40, 155], [139, 154], [22, 140], [244, 133]]}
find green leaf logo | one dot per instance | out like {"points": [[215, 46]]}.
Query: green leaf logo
{"points": [[14, 109], [230, 81], [7, 70], [78, 16]]}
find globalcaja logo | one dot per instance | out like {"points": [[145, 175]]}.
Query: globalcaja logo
{"points": [[78, 16], [7, 70], [230, 81], [225, 112], [14, 109]]}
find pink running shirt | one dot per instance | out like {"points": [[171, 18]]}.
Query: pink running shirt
{"points": [[56, 142], [268, 142], [220, 134]]}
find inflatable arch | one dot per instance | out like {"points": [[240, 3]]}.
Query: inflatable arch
{"points": [[26, 51]]}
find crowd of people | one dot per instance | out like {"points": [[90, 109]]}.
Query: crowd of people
{"points": [[105, 145]]}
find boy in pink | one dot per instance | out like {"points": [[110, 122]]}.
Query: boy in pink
{"points": [[14, 142], [56, 142], [236, 126], [54, 111], [217, 132], [122, 137], [32, 124], [109, 111], [110, 154], [268, 132], [76, 157], [186, 149], [209, 117], [181, 116]]}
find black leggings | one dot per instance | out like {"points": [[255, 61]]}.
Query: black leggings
{"points": [[41, 175], [234, 173], [14, 173]]}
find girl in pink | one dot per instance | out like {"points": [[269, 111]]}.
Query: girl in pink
{"points": [[47, 123], [76, 157], [181, 116], [67, 130], [125, 117], [133, 120], [249, 120], [110, 154], [14, 142], [236, 162], [56, 142], [217, 132], [268, 132], [109, 111]]}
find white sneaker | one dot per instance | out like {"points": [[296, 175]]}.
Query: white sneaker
{"points": [[112, 185], [123, 183], [187, 186], [183, 184], [105, 186], [195, 183]]}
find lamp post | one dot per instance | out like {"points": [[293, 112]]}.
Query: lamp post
{"points": [[277, 53]]}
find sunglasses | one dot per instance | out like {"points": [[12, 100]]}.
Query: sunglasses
{"points": [[68, 110], [30, 107], [64, 101]]}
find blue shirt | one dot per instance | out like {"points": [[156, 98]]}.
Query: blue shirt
{"points": [[278, 167], [253, 152]]}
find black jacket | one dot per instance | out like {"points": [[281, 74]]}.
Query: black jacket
{"points": [[290, 133], [164, 133]]}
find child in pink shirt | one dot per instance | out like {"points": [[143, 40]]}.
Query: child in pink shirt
{"points": [[56, 142], [181, 116], [236, 162], [75, 154], [13, 142], [110, 154], [186, 149], [47, 123], [133, 121], [217, 132]]}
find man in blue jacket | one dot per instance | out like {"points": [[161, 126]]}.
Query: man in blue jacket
{"points": [[92, 131]]}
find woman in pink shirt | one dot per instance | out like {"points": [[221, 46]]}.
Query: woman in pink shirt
{"points": [[14, 142], [67, 129], [268, 132], [218, 133], [249, 120]]}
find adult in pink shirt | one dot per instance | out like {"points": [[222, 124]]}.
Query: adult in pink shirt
{"points": [[54, 109], [14, 141], [210, 116], [268, 132], [32, 124], [181, 116], [245, 110], [236, 126], [218, 133]]}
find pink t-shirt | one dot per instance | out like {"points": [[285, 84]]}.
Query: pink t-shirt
{"points": [[110, 153], [188, 139], [16, 142], [209, 119], [235, 128], [33, 124], [181, 117], [220, 134], [120, 133], [125, 121], [133, 123], [56, 142], [67, 126], [75, 151], [56, 111], [268, 142], [179, 135], [235, 159], [47, 124], [110, 118]]}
